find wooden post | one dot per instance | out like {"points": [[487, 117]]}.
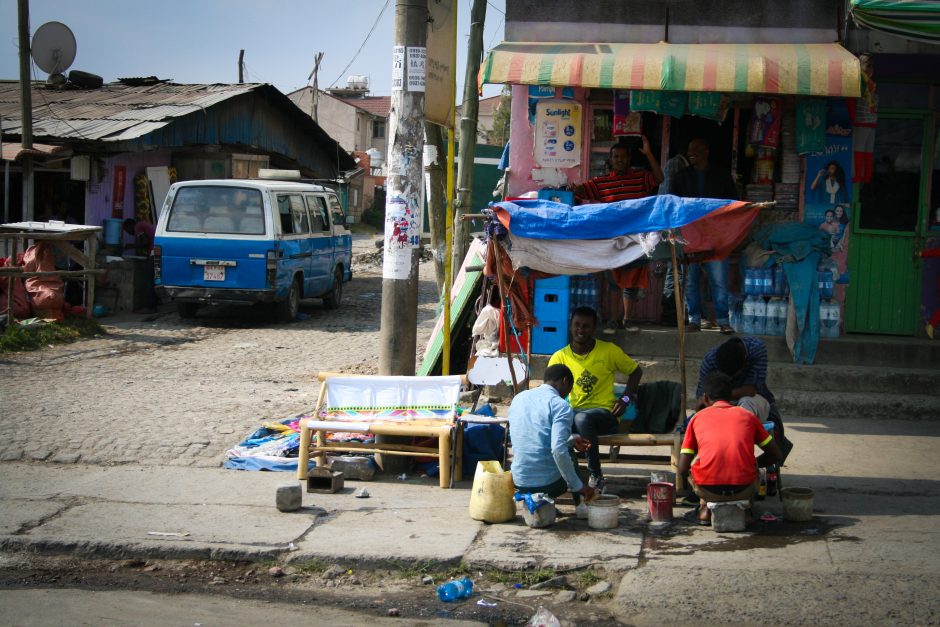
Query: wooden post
{"points": [[503, 297], [92, 254], [679, 293]]}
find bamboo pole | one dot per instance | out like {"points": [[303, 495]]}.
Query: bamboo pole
{"points": [[679, 294], [503, 297]]}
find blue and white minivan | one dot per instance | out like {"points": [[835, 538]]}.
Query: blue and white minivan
{"points": [[240, 241]]}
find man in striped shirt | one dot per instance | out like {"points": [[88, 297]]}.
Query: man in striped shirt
{"points": [[625, 183], [622, 183]]}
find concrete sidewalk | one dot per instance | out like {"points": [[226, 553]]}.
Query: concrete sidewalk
{"points": [[874, 536]]}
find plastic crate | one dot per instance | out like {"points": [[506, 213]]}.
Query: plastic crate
{"points": [[549, 336], [551, 304], [560, 282]]}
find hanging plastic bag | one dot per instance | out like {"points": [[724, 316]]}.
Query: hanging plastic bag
{"points": [[491, 497]]}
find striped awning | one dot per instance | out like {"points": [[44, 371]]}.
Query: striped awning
{"points": [[911, 19], [802, 69]]}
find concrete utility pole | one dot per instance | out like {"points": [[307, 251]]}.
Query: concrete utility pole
{"points": [[241, 66], [404, 201], [26, 108], [468, 133]]}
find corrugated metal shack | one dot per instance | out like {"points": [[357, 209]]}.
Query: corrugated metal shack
{"points": [[110, 135]]}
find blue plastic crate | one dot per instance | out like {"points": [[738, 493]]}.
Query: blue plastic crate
{"points": [[551, 304], [560, 282], [549, 336]]}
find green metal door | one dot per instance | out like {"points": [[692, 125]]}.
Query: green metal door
{"points": [[888, 229]]}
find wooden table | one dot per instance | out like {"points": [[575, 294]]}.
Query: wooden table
{"points": [[60, 235]]}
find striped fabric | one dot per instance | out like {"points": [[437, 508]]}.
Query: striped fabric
{"points": [[911, 19], [802, 69]]}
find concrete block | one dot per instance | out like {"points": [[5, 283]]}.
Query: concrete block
{"points": [[289, 497]]}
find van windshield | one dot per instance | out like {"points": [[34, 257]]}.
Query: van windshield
{"points": [[212, 209]]}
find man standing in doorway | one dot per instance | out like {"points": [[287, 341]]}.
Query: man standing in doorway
{"points": [[625, 183], [593, 363], [700, 180]]}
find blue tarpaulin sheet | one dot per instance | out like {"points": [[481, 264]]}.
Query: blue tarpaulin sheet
{"points": [[544, 219]]}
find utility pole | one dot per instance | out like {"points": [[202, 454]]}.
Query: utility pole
{"points": [[315, 88], [26, 108], [405, 191], [435, 156], [241, 66], [468, 133]]}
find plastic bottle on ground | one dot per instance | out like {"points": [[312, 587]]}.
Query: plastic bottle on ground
{"points": [[455, 590], [748, 311]]}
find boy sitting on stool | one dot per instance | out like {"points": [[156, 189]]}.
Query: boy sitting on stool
{"points": [[721, 440]]}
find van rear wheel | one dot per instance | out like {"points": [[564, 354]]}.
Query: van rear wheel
{"points": [[187, 310], [287, 309], [332, 299]]}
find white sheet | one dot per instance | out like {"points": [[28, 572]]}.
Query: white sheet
{"points": [[392, 392], [579, 256]]}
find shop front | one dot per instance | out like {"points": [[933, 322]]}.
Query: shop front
{"points": [[774, 115]]}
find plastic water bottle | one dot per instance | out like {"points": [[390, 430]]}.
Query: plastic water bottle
{"points": [[750, 282], [749, 311], [767, 282], [455, 590], [780, 281], [829, 316], [770, 326], [782, 316], [760, 316], [826, 290]]}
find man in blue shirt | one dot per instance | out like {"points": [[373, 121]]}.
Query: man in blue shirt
{"points": [[540, 427]]}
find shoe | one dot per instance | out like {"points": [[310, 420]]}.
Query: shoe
{"points": [[629, 326], [708, 325], [693, 328], [581, 511], [597, 482], [726, 329]]}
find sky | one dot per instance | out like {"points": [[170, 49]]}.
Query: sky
{"points": [[198, 41]]}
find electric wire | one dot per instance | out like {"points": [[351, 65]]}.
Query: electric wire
{"points": [[364, 42]]}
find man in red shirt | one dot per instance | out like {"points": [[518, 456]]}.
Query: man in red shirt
{"points": [[625, 183], [721, 439]]}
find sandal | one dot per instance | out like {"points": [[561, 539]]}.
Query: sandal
{"points": [[726, 329]]}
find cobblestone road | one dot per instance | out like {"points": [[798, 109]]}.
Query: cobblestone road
{"points": [[166, 391]]}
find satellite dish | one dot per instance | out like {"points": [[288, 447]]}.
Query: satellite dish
{"points": [[53, 48]]}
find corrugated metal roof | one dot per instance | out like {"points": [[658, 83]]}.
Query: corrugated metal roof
{"points": [[114, 112]]}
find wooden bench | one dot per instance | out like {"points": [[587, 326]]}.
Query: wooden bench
{"points": [[672, 440], [330, 417]]}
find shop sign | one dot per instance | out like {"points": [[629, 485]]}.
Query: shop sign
{"points": [[558, 134]]}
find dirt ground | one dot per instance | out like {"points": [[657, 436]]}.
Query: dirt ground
{"points": [[370, 594]]}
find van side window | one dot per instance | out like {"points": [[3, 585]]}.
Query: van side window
{"points": [[339, 217], [319, 212], [293, 214]]}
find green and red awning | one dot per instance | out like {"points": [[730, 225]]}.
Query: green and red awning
{"points": [[911, 19], [801, 69]]}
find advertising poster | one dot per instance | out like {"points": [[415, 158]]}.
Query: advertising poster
{"points": [[827, 199], [626, 123], [558, 134], [402, 234]]}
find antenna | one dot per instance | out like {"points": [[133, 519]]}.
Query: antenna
{"points": [[53, 49]]}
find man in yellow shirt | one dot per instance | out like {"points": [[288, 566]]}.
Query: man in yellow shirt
{"points": [[597, 411]]}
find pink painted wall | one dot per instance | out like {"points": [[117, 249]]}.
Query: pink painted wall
{"points": [[98, 201], [521, 154]]}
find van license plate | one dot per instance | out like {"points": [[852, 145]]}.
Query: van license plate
{"points": [[213, 273]]}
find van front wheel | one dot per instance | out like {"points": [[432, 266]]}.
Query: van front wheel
{"points": [[287, 309], [332, 299]]}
